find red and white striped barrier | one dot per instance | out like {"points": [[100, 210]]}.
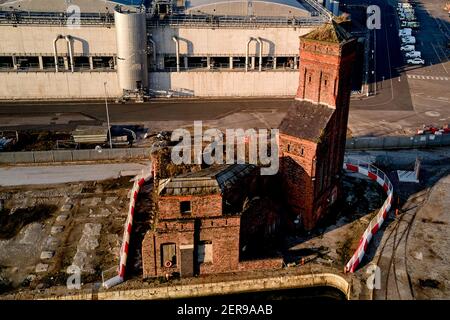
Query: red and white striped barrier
{"points": [[380, 177], [138, 183]]}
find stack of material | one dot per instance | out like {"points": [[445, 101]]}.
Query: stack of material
{"points": [[90, 134]]}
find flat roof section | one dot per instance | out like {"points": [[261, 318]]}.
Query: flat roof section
{"points": [[258, 8]]}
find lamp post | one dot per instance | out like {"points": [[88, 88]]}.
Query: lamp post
{"points": [[107, 116]]}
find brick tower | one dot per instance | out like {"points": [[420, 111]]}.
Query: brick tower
{"points": [[313, 133]]}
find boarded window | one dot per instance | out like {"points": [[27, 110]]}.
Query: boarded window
{"points": [[168, 255], [205, 252], [185, 207]]}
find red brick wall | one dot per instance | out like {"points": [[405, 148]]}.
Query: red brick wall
{"points": [[325, 72], [262, 264], [201, 206], [178, 232], [224, 235], [319, 69], [297, 172], [222, 232], [325, 78]]}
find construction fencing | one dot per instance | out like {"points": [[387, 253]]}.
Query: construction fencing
{"points": [[139, 181], [398, 142], [73, 155], [381, 178]]}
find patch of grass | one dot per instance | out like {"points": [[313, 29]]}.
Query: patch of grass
{"points": [[11, 224]]}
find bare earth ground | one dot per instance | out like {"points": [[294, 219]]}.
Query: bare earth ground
{"points": [[84, 229], [329, 248], [429, 244], [411, 249]]}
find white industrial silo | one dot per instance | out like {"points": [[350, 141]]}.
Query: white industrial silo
{"points": [[131, 35]]}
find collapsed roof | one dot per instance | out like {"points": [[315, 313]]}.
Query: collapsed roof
{"points": [[213, 180]]}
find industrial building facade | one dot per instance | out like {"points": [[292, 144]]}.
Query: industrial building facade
{"points": [[169, 48]]}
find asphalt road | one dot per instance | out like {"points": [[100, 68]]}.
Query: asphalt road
{"points": [[17, 176], [407, 97], [157, 110], [386, 62]]}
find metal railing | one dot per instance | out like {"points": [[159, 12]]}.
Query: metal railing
{"points": [[234, 21], [53, 18], [34, 67]]}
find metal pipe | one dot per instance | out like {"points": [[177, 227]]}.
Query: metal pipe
{"points": [[177, 48], [260, 52], [114, 281], [247, 53], [154, 50], [55, 51], [69, 45], [107, 116]]}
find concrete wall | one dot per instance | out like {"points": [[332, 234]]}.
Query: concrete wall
{"points": [[38, 40], [101, 40], [61, 85], [215, 288], [73, 155], [82, 85], [222, 84], [228, 41], [398, 142]]}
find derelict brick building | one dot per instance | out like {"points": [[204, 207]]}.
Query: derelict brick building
{"points": [[199, 229], [313, 133]]}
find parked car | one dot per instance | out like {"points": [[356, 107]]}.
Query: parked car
{"points": [[405, 32], [415, 61], [407, 10], [404, 5], [408, 40], [413, 54], [410, 24], [408, 47], [427, 130], [430, 129]]}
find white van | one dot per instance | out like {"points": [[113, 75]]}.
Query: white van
{"points": [[413, 54]]}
